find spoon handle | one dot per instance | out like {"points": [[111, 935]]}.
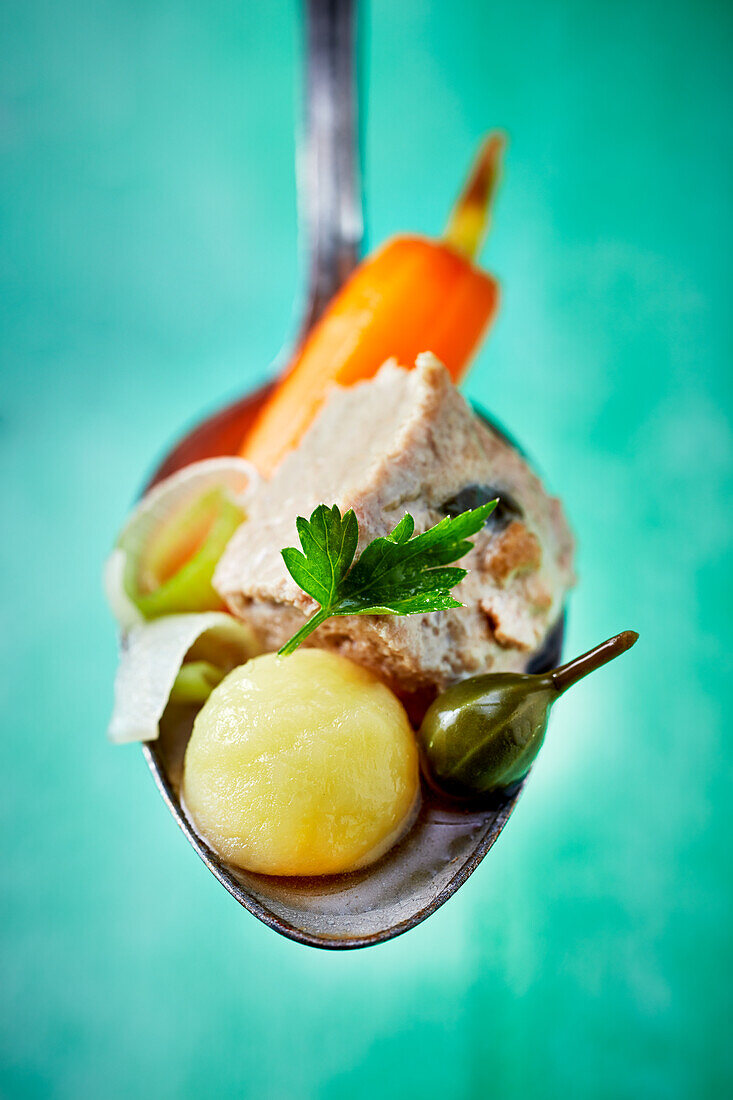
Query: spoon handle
{"points": [[329, 184]]}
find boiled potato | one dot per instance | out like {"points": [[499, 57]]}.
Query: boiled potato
{"points": [[301, 765]]}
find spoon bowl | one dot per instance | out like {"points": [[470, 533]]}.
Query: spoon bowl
{"points": [[444, 846]]}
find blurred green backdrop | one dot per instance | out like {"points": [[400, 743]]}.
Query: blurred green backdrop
{"points": [[148, 267]]}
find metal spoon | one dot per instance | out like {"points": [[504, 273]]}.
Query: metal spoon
{"points": [[447, 842]]}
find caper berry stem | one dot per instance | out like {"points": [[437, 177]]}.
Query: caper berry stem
{"points": [[569, 674]]}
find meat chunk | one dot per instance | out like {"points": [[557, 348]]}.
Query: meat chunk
{"points": [[407, 441]]}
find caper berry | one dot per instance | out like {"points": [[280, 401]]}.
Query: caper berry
{"points": [[484, 733]]}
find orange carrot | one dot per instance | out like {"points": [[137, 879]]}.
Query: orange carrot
{"points": [[412, 295]]}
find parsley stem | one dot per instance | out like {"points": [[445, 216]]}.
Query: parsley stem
{"points": [[313, 623]]}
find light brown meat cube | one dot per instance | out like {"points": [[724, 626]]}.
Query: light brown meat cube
{"points": [[407, 441]]}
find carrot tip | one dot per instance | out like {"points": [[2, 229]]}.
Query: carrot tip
{"points": [[470, 217]]}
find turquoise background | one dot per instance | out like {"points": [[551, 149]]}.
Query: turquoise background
{"points": [[148, 268]]}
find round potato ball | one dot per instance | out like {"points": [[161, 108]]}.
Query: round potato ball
{"points": [[301, 765]]}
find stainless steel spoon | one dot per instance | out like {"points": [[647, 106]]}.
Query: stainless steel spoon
{"points": [[447, 842]]}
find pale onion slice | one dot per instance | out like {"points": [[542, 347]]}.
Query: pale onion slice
{"points": [[151, 657], [120, 604], [121, 574]]}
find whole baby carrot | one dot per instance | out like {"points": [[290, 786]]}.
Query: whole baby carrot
{"points": [[411, 295]]}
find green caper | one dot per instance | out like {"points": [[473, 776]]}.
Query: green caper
{"points": [[484, 733]]}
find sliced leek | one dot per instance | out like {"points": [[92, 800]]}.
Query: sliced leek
{"points": [[154, 668], [166, 554]]}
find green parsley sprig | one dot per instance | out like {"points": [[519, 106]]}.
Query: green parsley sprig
{"points": [[395, 575]]}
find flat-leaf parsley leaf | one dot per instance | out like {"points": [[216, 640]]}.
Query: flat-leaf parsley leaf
{"points": [[395, 575]]}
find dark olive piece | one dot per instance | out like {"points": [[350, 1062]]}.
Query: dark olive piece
{"points": [[484, 733], [473, 496]]}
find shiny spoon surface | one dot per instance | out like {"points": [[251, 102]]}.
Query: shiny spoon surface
{"points": [[447, 841]]}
